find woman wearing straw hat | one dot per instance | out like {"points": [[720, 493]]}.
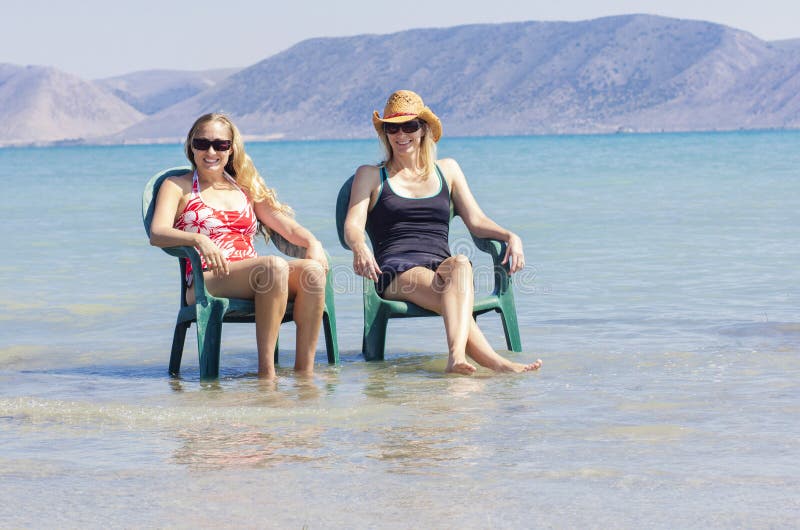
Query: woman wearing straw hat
{"points": [[404, 204]]}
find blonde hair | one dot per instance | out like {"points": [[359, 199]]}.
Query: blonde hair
{"points": [[240, 166], [427, 155]]}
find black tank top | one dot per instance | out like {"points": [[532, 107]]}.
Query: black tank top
{"points": [[402, 225]]}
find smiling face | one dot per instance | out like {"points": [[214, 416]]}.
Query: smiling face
{"points": [[403, 142], [211, 159]]}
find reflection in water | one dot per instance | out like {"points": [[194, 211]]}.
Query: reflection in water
{"points": [[239, 445], [249, 422], [465, 386], [427, 421], [419, 449]]}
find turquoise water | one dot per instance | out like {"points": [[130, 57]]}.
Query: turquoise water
{"points": [[662, 293]]}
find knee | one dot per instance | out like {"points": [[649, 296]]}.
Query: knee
{"points": [[459, 265], [461, 262], [269, 272], [275, 265], [312, 278], [455, 271]]}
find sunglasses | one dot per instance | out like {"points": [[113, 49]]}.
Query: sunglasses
{"points": [[204, 144], [407, 127]]}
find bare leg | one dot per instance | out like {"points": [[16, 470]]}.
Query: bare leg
{"points": [[453, 280], [425, 288], [482, 352], [265, 281], [450, 290], [307, 289]]}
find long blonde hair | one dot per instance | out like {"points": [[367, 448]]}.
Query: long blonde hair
{"points": [[240, 166], [427, 155]]}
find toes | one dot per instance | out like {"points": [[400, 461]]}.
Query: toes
{"points": [[466, 369], [534, 366]]}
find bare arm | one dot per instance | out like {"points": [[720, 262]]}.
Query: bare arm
{"points": [[367, 180], [163, 234], [293, 231], [476, 221]]}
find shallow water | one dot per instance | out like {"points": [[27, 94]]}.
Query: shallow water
{"points": [[662, 296]]}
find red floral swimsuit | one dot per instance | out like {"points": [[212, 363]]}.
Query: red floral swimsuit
{"points": [[231, 230]]}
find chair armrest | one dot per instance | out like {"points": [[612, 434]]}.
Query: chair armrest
{"points": [[292, 250], [283, 244], [496, 249], [201, 294]]}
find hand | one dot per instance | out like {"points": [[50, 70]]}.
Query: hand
{"points": [[317, 253], [364, 263], [212, 255], [514, 253]]}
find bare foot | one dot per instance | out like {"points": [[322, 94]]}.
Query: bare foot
{"points": [[460, 367], [519, 367]]}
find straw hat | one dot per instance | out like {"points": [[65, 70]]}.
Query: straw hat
{"points": [[403, 106]]}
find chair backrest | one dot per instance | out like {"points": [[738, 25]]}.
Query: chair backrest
{"points": [[151, 192], [342, 205]]}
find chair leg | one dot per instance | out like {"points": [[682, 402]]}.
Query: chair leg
{"points": [[374, 343], [178, 340], [331, 343], [329, 322], [511, 328], [209, 337]]}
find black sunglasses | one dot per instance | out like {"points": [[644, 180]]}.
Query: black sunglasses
{"points": [[407, 127], [203, 144]]}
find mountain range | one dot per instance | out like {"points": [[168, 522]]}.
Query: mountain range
{"points": [[632, 73], [40, 105], [154, 90]]}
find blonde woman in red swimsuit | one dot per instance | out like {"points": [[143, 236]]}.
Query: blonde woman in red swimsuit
{"points": [[217, 209]]}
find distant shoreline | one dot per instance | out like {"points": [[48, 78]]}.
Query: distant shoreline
{"points": [[281, 139]]}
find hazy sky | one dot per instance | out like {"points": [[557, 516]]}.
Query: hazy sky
{"points": [[99, 38]]}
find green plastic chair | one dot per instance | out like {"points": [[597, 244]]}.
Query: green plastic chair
{"points": [[378, 311], [209, 312]]}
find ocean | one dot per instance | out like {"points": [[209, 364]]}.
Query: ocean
{"points": [[662, 293]]}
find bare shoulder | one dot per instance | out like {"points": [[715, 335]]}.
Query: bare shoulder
{"points": [[451, 171], [448, 164], [181, 182], [367, 175], [368, 168]]}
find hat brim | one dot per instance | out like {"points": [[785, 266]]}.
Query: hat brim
{"points": [[426, 115]]}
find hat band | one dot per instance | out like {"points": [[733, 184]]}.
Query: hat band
{"points": [[397, 115]]}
